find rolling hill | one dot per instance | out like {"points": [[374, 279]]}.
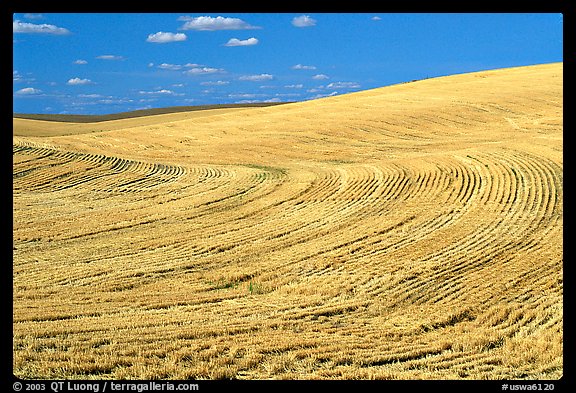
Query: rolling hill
{"points": [[412, 231]]}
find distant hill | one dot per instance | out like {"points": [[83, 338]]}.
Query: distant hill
{"points": [[137, 113]]}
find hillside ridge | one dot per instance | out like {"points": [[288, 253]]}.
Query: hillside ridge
{"points": [[74, 118]]}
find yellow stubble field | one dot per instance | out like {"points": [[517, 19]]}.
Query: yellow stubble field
{"points": [[413, 231]]}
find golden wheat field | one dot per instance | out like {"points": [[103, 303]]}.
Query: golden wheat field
{"points": [[412, 231]]}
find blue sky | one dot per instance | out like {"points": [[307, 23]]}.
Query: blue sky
{"points": [[84, 63]]}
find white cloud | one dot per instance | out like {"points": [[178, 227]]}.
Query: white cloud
{"points": [[172, 67], [176, 67], [80, 61], [162, 38], [115, 101], [375, 18], [24, 27], [19, 78], [202, 70], [303, 67], [298, 86], [324, 95], [303, 21], [110, 57], [208, 23], [33, 16], [165, 92], [237, 42], [28, 91], [244, 95], [256, 78], [215, 83], [257, 101], [343, 85], [320, 77], [288, 94], [90, 96], [78, 81]]}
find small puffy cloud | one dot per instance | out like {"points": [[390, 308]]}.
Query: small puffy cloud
{"points": [[209, 23], [78, 81], [237, 42], [80, 62], [375, 18], [215, 83], [297, 86], [244, 95], [202, 70], [19, 78], [320, 77], [270, 100], [162, 38], [176, 67], [324, 95], [90, 96], [115, 101], [288, 95], [343, 85], [256, 78], [110, 57], [303, 67], [33, 16], [172, 67], [303, 21], [165, 92], [25, 27], [28, 91]]}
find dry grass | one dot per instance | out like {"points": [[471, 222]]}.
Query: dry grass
{"points": [[407, 232], [48, 125]]}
